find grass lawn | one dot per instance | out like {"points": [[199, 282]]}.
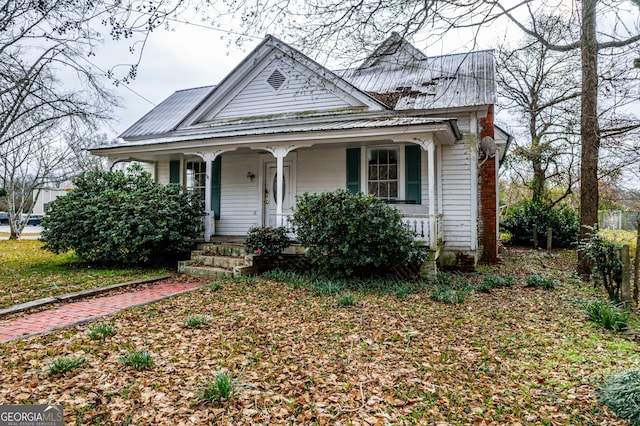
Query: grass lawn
{"points": [[515, 355], [623, 237], [27, 273]]}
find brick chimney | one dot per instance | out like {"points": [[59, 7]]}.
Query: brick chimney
{"points": [[488, 196]]}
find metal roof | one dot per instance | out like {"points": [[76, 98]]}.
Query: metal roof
{"points": [[439, 82], [396, 74], [166, 116]]}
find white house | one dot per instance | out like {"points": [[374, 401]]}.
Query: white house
{"points": [[403, 126]]}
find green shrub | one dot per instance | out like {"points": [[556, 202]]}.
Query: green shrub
{"points": [[451, 289], [139, 360], [521, 218], [353, 234], [197, 321], [65, 364], [101, 331], [220, 387], [493, 281], [122, 218], [621, 393], [607, 315], [607, 263], [266, 241], [538, 281], [347, 299]]}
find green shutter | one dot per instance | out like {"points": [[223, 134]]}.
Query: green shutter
{"points": [[174, 171], [412, 161], [353, 170], [216, 177]]}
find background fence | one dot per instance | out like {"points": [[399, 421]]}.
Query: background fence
{"points": [[618, 220]]}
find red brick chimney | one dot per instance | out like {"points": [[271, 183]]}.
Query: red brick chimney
{"points": [[488, 196]]}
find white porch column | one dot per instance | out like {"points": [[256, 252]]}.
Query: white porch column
{"points": [[209, 218], [429, 146], [280, 152], [431, 164]]}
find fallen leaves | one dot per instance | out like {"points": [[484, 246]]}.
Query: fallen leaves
{"points": [[513, 356]]}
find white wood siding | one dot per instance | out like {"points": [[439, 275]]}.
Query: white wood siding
{"points": [[456, 197], [298, 93], [239, 197], [162, 168], [321, 170]]}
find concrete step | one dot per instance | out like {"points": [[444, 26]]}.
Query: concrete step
{"points": [[205, 271], [218, 261], [227, 249]]}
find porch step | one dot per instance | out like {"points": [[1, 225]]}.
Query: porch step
{"points": [[204, 271], [225, 262], [215, 260], [220, 249]]}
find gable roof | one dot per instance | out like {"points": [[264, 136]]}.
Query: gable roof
{"points": [[395, 51], [396, 76]]}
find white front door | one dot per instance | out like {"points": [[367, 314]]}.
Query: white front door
{"points": [[270, 193]]}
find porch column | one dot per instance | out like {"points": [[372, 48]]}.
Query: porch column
{"points": [[280, 152], [431, 164], [427, 144], [209, 217]]}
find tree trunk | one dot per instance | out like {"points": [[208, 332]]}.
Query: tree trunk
{"points": [[590, 138]]}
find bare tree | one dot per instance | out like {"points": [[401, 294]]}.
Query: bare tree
{"points": [[541, 89], [44, 123], [28, 163]]}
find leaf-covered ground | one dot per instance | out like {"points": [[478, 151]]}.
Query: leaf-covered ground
{"points": [[513, 356], [28, 273]]}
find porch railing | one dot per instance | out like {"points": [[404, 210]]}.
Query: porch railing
{"points": [[427, 227]]}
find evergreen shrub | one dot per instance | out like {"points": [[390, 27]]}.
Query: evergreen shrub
{"points": [[353, 234], [521, 218], [122, 218], [266, 241]]}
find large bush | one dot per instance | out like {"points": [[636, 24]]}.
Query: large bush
{"points": [[349, 234], [123, 218], [521, 218]]}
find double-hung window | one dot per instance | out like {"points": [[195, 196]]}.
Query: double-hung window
{"points": [[382, 178]]}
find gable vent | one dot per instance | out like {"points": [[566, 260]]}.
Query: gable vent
{"points": [[276, 80]]}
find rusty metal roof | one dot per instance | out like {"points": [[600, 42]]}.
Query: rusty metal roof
{"points": [[429, 83], [307, 126]]}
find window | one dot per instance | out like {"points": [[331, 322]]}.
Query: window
{"points": [[382, 178], [196, 177]]}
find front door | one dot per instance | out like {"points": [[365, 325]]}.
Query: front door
{"points": [[270, 192]]}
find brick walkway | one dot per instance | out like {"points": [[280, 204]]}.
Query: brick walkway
{"points": [[79, 312]]}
